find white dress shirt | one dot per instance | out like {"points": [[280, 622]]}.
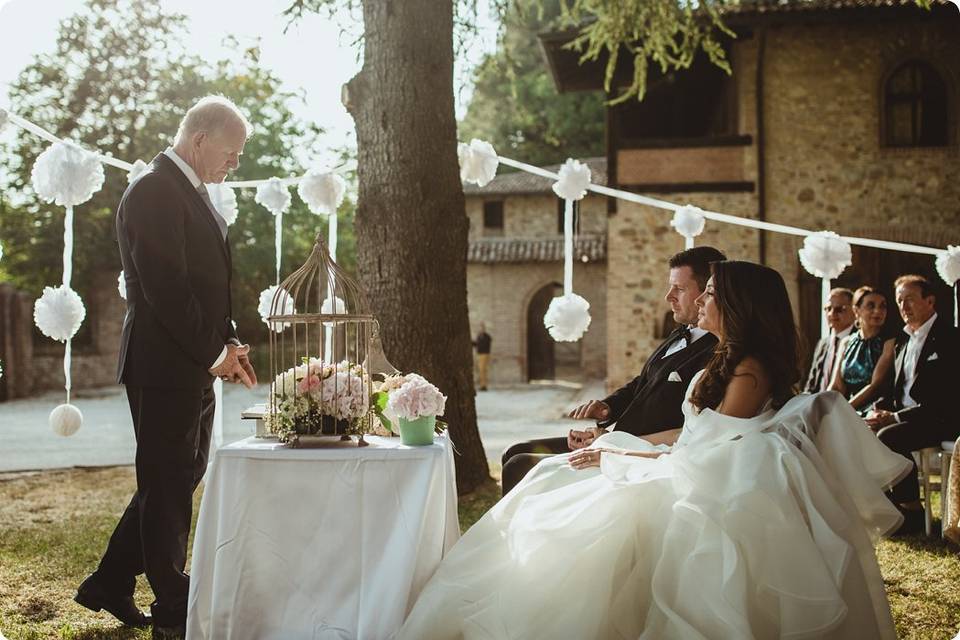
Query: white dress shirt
{"points": [[196, 182], [695, 334], [912, 357]]}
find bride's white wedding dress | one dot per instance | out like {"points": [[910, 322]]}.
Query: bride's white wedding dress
{"points": [[749, 528]]}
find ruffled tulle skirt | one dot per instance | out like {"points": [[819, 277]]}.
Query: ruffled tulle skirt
{"points": [[760, 528]]}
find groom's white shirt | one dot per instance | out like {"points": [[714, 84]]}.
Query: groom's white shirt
{"points": [[194, 179], [695, 334]]}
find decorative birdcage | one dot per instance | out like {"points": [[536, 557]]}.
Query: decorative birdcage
{"points": [[324, 351]]}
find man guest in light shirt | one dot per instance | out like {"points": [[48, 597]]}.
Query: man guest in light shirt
{"points": [[921, 410], [839, 312]]}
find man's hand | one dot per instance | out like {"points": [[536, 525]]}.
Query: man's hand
{"points": [[232, 370], [880, 418], [593, 410], [246, 365]]}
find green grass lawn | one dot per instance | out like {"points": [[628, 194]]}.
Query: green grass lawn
{"points": [[54, 526]]}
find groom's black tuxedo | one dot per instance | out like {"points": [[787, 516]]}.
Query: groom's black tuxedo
{"points": [[177, 269], [933, 419], [650, 403]]}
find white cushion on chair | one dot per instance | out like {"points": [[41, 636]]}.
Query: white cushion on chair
{"points": [[948, 445]]}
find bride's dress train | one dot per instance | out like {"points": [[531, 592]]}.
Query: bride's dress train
{"points": [[750, 528]]}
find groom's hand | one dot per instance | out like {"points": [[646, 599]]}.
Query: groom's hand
{"points": [[593, 410]]}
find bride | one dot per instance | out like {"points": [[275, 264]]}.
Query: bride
{"points": [[758, 522]]}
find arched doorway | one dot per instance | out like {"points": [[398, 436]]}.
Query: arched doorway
{"points": [[547, 359], [541, 360]]}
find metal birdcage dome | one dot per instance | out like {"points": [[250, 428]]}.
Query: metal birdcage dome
{"points": [[324, 352]]}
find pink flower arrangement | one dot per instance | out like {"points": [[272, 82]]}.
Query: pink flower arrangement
{"points": [[416, 398]]}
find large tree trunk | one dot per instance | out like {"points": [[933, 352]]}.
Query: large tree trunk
{"points": [[411, 220]]}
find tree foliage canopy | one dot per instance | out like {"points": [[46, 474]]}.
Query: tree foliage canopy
{"points": [[119, 81]]}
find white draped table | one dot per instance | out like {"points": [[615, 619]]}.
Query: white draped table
{"points": [[318, 543]]}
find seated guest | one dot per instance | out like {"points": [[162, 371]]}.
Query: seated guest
{"points": [[648, 406], [922, 409], [865, 355], [838, 309]]}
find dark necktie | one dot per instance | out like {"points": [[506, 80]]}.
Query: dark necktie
{"points": [[831, 357], [221, 223]]}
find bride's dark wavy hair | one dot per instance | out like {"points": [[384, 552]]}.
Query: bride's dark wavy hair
{"points": [[756, 320]]}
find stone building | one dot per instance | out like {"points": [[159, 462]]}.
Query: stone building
{"points": [[515, 267], [839, 114]]}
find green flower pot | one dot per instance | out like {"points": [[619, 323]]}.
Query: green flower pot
{"points": [[419, 432]]}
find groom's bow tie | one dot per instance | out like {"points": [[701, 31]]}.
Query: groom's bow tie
{"points": [[683, 331]]}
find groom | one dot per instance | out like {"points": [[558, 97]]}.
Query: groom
{"points": [[650, 405], [177, 336]]}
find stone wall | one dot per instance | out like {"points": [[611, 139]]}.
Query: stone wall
{"points": [[825, 168], [535, 216]]}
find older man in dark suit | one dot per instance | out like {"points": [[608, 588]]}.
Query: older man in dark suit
{"points": [[838, 310], [921, 410], [177, 337], [649, 405]]}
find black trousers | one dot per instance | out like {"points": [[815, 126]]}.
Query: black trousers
{"points": [[905, 438], [172, 428], [520, 458]]}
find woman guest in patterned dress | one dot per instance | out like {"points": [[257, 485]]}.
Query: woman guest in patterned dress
{"points": [[866, 355]]}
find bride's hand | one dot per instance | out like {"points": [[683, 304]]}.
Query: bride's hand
{"points": [[584, 458]]}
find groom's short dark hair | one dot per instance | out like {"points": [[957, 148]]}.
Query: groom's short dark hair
{"points": [[698, 259]]}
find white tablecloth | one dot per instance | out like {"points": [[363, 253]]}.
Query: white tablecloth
{"points": [[318, 543]]}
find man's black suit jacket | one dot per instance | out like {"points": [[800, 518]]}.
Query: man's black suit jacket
{"points": [[817, 366], [177, 269], [651, 402], [934, 383]]}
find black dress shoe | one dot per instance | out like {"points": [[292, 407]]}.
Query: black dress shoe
{"points": [[94, 597]]}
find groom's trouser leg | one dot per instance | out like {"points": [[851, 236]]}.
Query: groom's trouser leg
{"points": [[173, 437], [519, 459]]}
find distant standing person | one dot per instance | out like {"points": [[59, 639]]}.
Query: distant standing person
{"points": [[482, 343]]}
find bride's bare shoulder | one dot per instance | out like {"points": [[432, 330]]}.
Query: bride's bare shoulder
{"points": [[748, 390]]}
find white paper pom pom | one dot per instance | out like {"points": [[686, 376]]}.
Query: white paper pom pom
{"points": [[138, 167], [66, 175], [333, 307], [224, 201], [59, 312], [66, 420], [122, 286], [825, 254], [284, 306], [274, 196], [322, 191], [478, 162], [688, 221], [567, 318], [948, 264], [4, 117], [574, 180]]}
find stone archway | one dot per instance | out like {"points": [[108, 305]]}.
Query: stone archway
{"points": [[541, 355]]}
